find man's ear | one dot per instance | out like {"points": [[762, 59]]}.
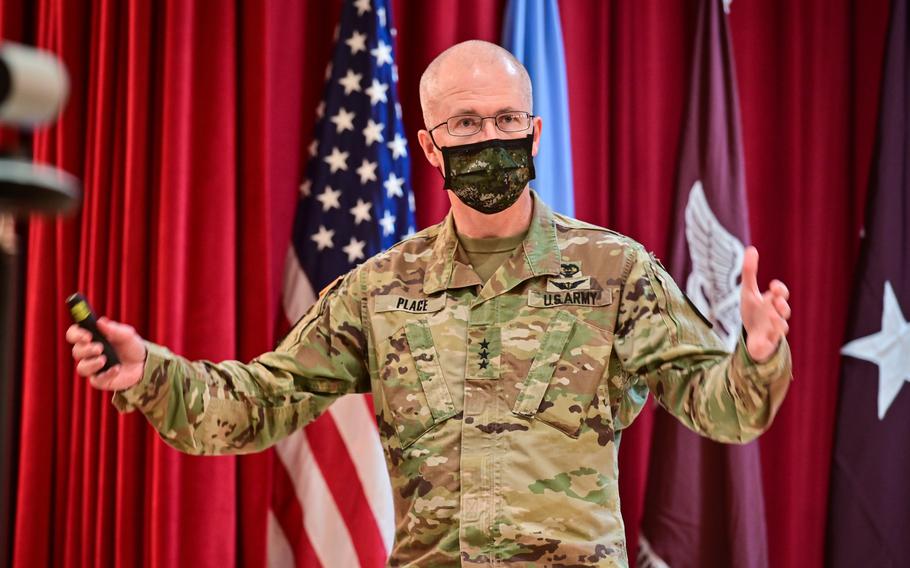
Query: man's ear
{"points": [[538, 125], [429, 150]]}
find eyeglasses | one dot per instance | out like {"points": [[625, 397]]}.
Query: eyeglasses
{"points": [[471, 124]]}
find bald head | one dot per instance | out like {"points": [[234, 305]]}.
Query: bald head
{"points": [[471, 67]]}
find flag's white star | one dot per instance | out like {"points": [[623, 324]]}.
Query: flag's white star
{"points": [[328, 71], [350, 82], [889, 349], [411, 231], [376, 91], [363, 6], [388, 223], [361, 211], [320, 109], [381, 13], [398, 110], [367, 171], [354, 249], [314, 147], [394, 73], [357, 42], [344, 120], [323, 238], [382, 53], [337, 160], [398, 146], [305, 188], [329, 198], [393, 186], [373, 132], [411, 205]]}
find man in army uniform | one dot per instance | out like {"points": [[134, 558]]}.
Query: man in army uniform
{"points": [[506, 348]]}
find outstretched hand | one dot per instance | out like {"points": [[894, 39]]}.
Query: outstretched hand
{"points": [[89, 357], [764, 314]]}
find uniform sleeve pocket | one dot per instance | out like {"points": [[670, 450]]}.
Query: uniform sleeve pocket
{"points": [[415, 394], [563, 377]]}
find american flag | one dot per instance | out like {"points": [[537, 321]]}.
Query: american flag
{"points": [[332, 502]]}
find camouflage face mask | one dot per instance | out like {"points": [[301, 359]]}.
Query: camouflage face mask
{"points": [[489, 176]]}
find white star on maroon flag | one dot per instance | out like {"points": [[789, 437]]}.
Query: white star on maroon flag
{"points": [[889, 349]]}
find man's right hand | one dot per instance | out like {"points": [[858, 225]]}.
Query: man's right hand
{"points": [[89, 358]]}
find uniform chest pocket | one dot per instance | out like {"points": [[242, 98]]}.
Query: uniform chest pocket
{"points": [[564, 374], [415, 394]]}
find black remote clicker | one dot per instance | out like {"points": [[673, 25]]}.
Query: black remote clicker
{"points": [[85, 318]]}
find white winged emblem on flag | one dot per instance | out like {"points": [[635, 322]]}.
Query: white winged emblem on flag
{"points": [[717, 260]]}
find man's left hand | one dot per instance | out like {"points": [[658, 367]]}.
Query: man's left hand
{"points": [[765, 314]]}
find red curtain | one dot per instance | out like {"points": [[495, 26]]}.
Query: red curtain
{"points": [[188, 123]]}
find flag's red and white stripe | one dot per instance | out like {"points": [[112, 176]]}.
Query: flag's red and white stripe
{"points": [[332, 502]]}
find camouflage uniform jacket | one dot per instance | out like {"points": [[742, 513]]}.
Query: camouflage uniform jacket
{"points": [[500, 405]]}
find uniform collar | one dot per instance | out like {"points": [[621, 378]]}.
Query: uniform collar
{"points": [[538, 255]]}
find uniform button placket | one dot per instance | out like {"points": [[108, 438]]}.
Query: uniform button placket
{"points": [[479, 461]]}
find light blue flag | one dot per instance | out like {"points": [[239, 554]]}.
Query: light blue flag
{"points": [[532, 31]]}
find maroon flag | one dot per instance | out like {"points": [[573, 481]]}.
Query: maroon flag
{"points": [[869, 513], [704, 505]]}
